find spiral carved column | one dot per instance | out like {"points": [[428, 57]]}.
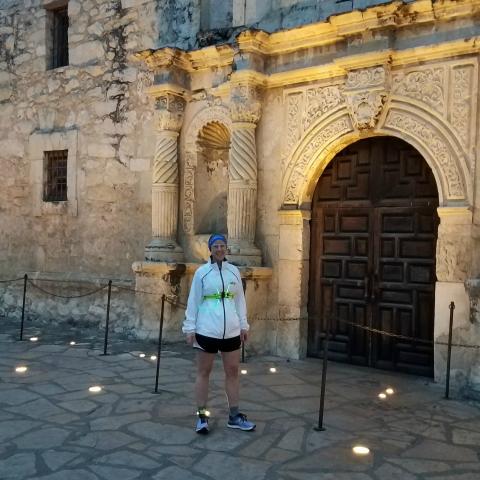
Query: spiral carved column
{"points": [[242, 189], [168, 117]]}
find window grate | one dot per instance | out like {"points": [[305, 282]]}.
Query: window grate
{"points": [[55, 163]]}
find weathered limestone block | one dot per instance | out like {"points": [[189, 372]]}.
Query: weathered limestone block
{"points": [[454, 244], [88, 52]]}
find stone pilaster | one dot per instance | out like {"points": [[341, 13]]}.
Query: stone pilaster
{"points": [[242, 191], [163, 247]]}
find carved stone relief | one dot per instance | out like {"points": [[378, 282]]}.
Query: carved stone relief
{"points": [[365, 95], [427, 85], [319, 101], [320, 139], [428, 135], [294, 130], [245, 104], [169, 109], [218, 113], [461, 103]]}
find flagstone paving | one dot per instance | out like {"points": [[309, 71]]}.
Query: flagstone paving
{"points": [[53, 428]]}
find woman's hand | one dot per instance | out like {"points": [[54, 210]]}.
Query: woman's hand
{"points": [[190, 338], [244, 336]]}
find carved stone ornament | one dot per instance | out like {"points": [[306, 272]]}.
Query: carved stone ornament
{"points": [[365, 94], [169, 110], [245, 104]]}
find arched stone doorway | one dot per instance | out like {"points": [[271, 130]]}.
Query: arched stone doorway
{"points": [[372, 256]]}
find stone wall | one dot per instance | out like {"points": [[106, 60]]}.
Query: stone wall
{"points": [[100, 97]]}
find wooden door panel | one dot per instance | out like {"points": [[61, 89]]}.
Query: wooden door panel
{"points": [[404, 301], [374, 228], [341, 250]]}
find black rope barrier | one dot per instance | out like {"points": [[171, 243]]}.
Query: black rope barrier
{"points": [[92, 292], [11, 280]]}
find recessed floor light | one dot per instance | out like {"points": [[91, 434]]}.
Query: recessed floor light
{"points": [[382, 396], [243, 372], [360, 450], [34, 339], [21, 369], [95, 389], [153, 357], [142, 355], [73, 343], [273, 369], [389, 391]]}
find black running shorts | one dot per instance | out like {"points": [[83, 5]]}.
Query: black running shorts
{"points": [[213, 345]]}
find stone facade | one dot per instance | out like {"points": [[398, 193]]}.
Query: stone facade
{"points": [[156, 102]]}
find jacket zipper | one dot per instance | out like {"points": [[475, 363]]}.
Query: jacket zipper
{"points": [[223, 302]]}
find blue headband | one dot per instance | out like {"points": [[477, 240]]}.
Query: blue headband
{"points": [[214, 238]]}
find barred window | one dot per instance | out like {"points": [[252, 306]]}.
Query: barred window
{"points": [[57, 35], [55, 168]]}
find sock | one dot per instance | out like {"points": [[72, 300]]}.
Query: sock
{"points": [[201, 413], [234, 412]]}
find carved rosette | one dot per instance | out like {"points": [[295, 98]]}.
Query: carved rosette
{"points": [[365, 94]]}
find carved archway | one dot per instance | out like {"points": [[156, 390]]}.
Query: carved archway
{"points": [[420, 127], [218, 114]]}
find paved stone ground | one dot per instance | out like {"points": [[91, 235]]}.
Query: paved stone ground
{"points": [[52, 428]]}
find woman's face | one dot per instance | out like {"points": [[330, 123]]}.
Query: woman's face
{"points": [[219, 249]]}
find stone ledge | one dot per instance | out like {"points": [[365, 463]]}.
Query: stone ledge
{"points": [[150, 269]]}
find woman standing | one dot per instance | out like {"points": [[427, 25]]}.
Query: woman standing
{"points": [[216, 320]]}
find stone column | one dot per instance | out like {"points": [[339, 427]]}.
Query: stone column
{"points": [[163, 247], [242, 187]]}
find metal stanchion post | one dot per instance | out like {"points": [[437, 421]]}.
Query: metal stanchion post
{"points": [[320, 426], [160, 331], [25, 279], [449, 350], [107, 321], [243, 352]]}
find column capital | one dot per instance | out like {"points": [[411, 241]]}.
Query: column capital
{"points": [[169, 111], [245, 103]]}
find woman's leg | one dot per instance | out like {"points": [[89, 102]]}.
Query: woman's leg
{"points": [[231, 362], [204, 368]]}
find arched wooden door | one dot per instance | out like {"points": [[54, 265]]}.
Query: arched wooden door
{"points": [[372, 261]]}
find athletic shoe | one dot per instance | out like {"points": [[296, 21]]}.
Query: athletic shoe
{"points": [[240, 421], [202, 426]]}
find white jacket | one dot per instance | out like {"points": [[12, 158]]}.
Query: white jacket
{"points": [[216, 318]]}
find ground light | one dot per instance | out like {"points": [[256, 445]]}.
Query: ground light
{"points": [[21, 369], [389, 391], [95, 389], [360, 450], [153, 357], [73, 343], [243, 372], [33, 339], [273, 370], [382, 396], [142, 355]]}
